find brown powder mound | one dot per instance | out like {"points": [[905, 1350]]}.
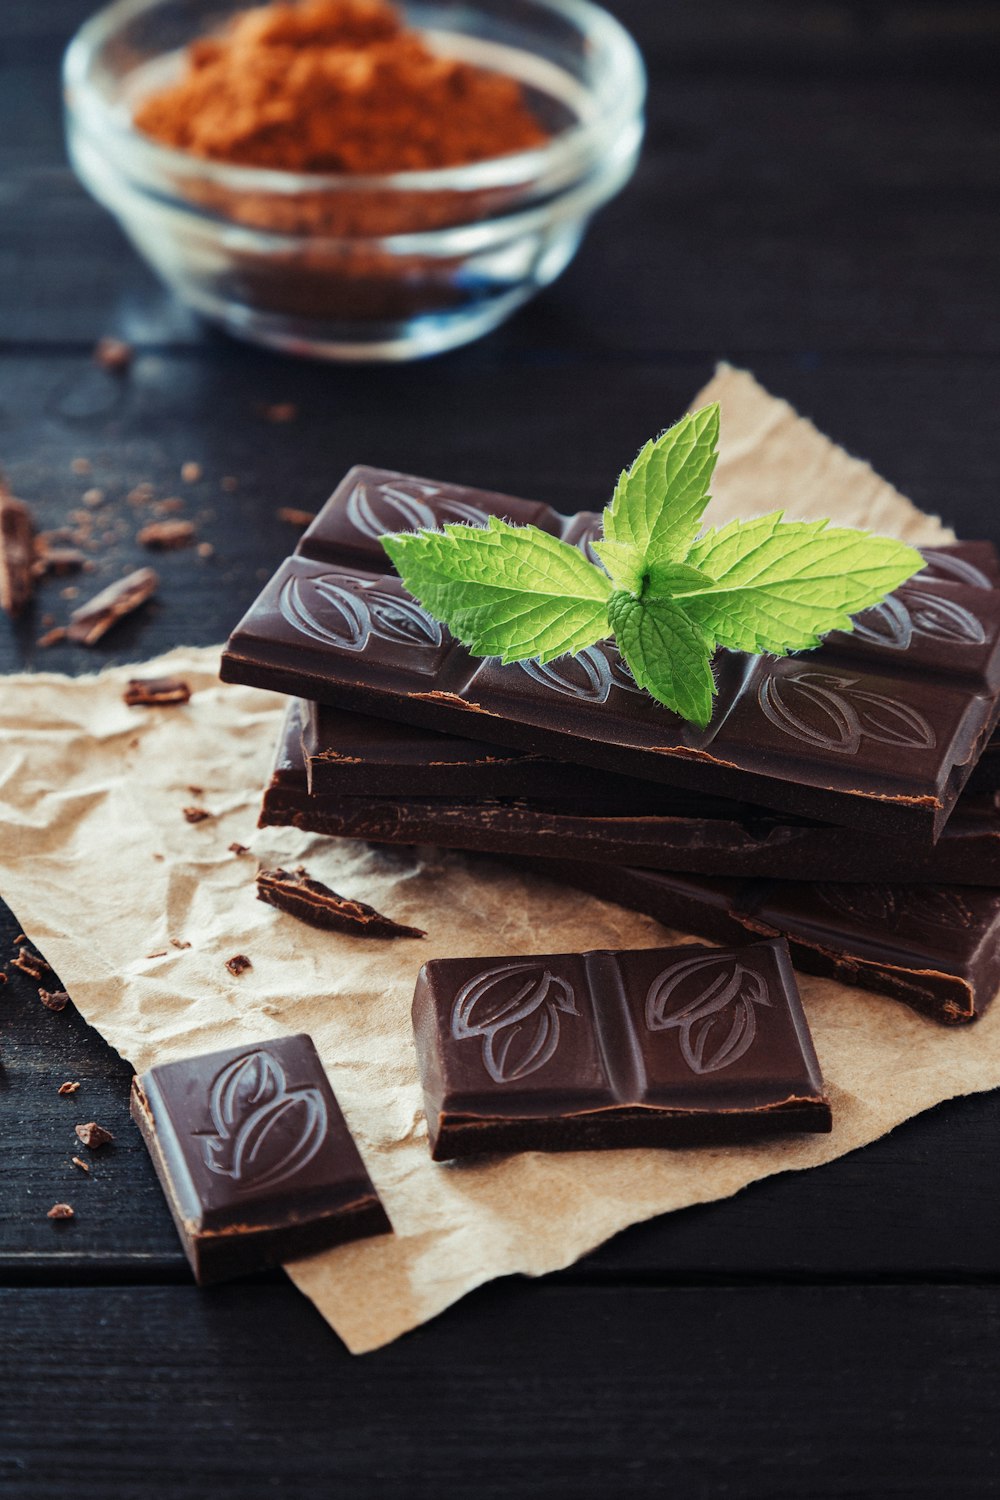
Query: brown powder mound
{"points": [[335, 86]]}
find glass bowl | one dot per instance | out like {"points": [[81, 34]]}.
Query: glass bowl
{"points": [[344, 267]]}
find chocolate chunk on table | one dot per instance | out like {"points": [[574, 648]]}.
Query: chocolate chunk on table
{"points": [[877, 730], [628, 823], [93, 620], [255, 1157], [935, 948], [295, 892], [677, 1046]]}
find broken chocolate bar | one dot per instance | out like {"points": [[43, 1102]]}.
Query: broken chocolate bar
{"points": [[630, 823], [674, 1046], [935, 948], [296, 893], [878, 729], [254, 1156]]}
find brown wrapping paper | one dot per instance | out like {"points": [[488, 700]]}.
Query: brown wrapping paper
{"points": [[102, 870]]}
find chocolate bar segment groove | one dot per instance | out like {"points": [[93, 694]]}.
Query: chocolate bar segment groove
{"points": [[653, 1047]]}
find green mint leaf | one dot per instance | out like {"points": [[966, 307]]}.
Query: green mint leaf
{"points": [[781, 585], [668, 580], [508, 591], [658, 502], [667, 652], [624, 562]]}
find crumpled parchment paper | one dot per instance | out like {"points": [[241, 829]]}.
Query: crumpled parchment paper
{"points": [[102, 870]]}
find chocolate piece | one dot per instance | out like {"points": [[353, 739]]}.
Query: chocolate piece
{"points": [[316, 904], [156, 692], [113, 354], [676, 831], [195, 814], [17, 554], [67, 1088], [166, 536], [255, 1157], [31, 964], [655, 1047], [60, 1211], [95, 618], [238, 964], [60, 562], [936, 948], [877, 730], [54, 999], [94, 1135], [78, 1161]]}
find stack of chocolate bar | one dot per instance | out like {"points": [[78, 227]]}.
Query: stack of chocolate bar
{"points": [[846, 798]]}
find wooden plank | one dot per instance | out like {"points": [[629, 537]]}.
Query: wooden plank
{"points": [[786, 1393]]}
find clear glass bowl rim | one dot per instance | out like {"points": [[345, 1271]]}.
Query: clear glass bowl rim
{"points": [[622, 67]]}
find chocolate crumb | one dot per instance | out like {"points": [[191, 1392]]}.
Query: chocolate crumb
{"points": [[141, 494], [58, 561], [160, 953], [156, 692], [196, 791], [179, 943], [94, 1135], [166, 536], [54, 999], [205, 549], [280, 412], [3, 976], [238, 849], [72, 592], [60, 1211], [52, 637], [93, 498], [316, 904], [78, 1161], [172, 506], [81, 465], [296, 517], [230, 483], [238, 964], [191, 472], [21, 938], [31, 964], [67, 1088], [196, 814], [113, 354]]}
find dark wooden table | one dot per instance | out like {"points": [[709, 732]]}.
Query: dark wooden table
{"points": [[818, 200]]}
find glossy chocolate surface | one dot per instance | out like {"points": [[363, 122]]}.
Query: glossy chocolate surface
{"points": [[876, 730], [936, 948], [254, 1156], [652, 1047]]}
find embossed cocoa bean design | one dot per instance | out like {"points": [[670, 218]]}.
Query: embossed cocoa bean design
{"points": [[711, 1001], [375, 510], [833, 713], [943, 619], [515, 1010], [887, 624], [892, 905], [265, 1132], [586, 676], [944, 564], [338, 611]]}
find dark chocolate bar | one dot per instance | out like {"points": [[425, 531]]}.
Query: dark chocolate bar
{"points": [[254, 1156], [878, 729], [660, 828], [936, 948], [675, 1046]]}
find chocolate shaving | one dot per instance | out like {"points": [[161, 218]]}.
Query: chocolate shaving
{"points": [[238, 849], [156, 692], [196, 814], [67, 1088], [238, 964], [94, 1135], [17, 554], [165, 536], [94, 619], [60, 1211], [31, 964], [52, 637], [54, 999], [113, 354], [179, 943], [78, 1161], [315, 903], [296, 517]]}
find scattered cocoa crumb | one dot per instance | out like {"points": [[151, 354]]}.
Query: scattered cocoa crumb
{"points": [[279, 412], [191, 472], [196, 814], [78, 1161], [60, 1211], [230, 483], [196, 791], [70, 592], [93, 1135], [81, 465], [160, 857], [141, 494], [3, 976], [51, 637], [48, 619], [296, 517], [205, 549], [238, 964], [172, 506], [238, 849], [31, 964], [67, 1088], [82, 518], [156, 692], [93, 498], [21, 938], [17, 554], [270, 1010], [113, 354], [179, 943], [160, 953], [56, 560], [93, 620], [54, 999], [165, 536]]}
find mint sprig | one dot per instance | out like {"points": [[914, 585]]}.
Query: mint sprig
{"points": [[669, 597]]}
